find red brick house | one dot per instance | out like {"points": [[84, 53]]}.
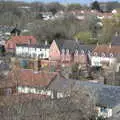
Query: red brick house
{"points": [[67, 51], [10, 45], [25, 81]]}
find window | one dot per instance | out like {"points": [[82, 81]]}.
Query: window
{"points": [[8, 91], [67, 51], [63, 51], [111, 55], [95, 53], [32, 90], [82, 52], [76, 52], [103, 54], [89, 52], [26, 90], [103, 109]]}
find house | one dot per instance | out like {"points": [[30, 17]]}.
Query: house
{"points": [[116, 39], [10, 45], [105, 55], [47, 15], [70, 51], [24, 81], [15, 31], [107, 98], [33, 51]]}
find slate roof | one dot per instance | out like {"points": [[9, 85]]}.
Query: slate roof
{"points": [[34, 46], [27, 77], [106, 95], [72, 45], [107, 49], [116, 40]]}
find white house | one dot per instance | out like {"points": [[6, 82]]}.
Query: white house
{"points": [[105, 56], [41, 51], [100, 61]]}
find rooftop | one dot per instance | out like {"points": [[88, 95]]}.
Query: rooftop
{"points": [[107, 49], [72, 45], [105, 95], [26, 77], [34, 46]]}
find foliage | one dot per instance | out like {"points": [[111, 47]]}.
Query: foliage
{"points": [[75, 72], [85, 37], [59, 29], [100, 118], [111, 5], [79, 106], [54, 7], [94, 27], [107, 31], [74, 6], [95, 6]]}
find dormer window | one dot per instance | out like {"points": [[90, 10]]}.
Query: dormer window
{"points": [[76, 52], [82, 51], [111, 54], [63, 51], [89, 52], [67, 51], [103, 54], [95, 54]]}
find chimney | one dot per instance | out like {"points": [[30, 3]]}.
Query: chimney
{"points": [[76, 39], [46, 43], [110, 45], [116, 34], [97, 44]]}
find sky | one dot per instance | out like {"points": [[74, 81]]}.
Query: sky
{"points": [[71, 1]]}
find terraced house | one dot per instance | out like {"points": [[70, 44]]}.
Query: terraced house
{"points": [[106, 56], [67, 51], [33, 51], [10, 44]]}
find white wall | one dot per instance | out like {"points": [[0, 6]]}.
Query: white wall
{"points": [[105, 112], [41, 52], [97, 61], [26, 90]]}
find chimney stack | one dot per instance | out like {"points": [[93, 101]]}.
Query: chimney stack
{"points": [[116, 34], [46, 43], [110, 45], [97, 44], [76, 39]]}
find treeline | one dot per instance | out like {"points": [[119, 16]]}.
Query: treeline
{"points": [[88, 30], [20, 13], [12, 12]]}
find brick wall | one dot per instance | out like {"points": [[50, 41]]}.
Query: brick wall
{"points": [[54, 53]]}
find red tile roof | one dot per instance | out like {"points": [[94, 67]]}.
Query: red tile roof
{"points": [[107, 49], [19, 40], [28, 78], [23, 39]]}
